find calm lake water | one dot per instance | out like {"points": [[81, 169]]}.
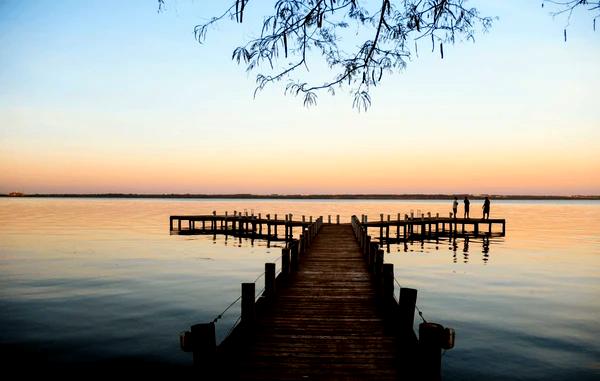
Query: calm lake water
{"points": [[93, 281]]}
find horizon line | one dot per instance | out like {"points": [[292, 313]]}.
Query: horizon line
{"points": [[348, 196]]}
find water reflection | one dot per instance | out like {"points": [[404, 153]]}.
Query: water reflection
{"points": [[85, 280], [467, 245]]}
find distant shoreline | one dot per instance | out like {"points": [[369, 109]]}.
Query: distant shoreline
{"points": [[310, 196]]}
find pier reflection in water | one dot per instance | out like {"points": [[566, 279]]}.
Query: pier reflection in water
{"points": [[469, 247]]}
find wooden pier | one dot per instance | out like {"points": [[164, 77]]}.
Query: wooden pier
{"points": [[398, 230], [430, 227], [238, 225], [330, 314]]}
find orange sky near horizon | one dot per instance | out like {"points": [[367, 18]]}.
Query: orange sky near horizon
{"points": [[265, 173]]}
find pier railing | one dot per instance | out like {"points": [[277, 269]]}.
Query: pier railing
{"points": [[267, 227], [432, 337], [426, 226], [201, 339]]}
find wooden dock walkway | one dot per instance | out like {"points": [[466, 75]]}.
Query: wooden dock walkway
{"points": [[330, 314], [327, 324]]}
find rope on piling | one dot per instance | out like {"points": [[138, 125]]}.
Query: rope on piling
{"points": [[232, 327], [219, 316], [420, 313], [417, 307], [259, 294], [260, 276]]}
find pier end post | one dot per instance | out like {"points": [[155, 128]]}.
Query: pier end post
{"points": [[204, 347], [430, 351]]}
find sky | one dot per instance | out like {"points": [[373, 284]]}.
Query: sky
{"points": [[112, 96]]}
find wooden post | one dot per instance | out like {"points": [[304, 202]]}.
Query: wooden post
{"points": [[294, 256], [204, 345], [430, 350], [329, 218], [476, 228], [388, 283], [503, 227], [337, 219], [248, 307], [301, 248], [179, 224], [406, 310], [285, 262], [269, 280], [275, 226], [381, 229], [378, 263], [372, 253], [310, 219], [367, 246]]}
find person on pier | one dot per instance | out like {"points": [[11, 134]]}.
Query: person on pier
{"points": [[486, 208], [467, 205], [455, 207]]}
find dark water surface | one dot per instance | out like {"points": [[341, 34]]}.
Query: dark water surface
{"points": [[94, 281]]}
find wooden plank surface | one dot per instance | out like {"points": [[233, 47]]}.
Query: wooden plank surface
{"points": [[326, 325]]}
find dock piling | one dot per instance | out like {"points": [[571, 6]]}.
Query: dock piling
{"points": [[269, 280], [248, 304], [406, 309], [430, 350], [204, 346], [285, 262]]}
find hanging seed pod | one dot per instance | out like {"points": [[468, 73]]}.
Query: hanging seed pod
{"points": [[285, 44], [432, 43], [565, 32], [442, 50], [416, 50], [237, 10], [417, 24]]}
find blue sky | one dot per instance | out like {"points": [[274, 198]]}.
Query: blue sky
{"points": [[114, 96]]}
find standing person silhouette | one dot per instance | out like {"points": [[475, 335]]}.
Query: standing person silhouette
{"points": [[455, 206], [467, 204], [486, 208]]}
